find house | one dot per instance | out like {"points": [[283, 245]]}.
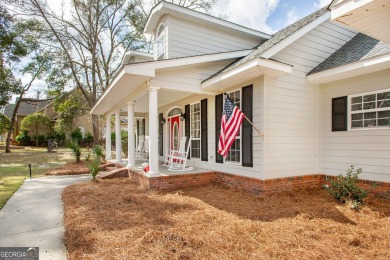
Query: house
{"points": [[318, 89], [25, 108]]}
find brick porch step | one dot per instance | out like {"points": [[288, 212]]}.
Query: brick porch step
{"points": [[112, 172]]}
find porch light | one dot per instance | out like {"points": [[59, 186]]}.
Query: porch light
{"points": [[162, 120], [182, 116]]}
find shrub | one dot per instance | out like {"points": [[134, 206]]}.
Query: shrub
{"points": [[124, 138], [93, 167], [75, 149], [98, 151], [36, 124], [88, 137], [23, 138], [76, 134], [345, 189], [88, 154]]}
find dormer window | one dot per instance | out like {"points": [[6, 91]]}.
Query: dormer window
{"points": [[161, 43]]}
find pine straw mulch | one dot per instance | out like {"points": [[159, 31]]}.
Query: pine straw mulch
{"points": [[70, 168], [115, 219]]}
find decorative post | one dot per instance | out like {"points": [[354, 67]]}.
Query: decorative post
{"points": [[153, 132], [130, 135], [108, 138], [118, 140]]}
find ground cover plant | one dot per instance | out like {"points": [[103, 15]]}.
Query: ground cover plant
{"points": [[116, 219], [14, 167]]}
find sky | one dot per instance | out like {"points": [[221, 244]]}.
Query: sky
{"points": [[268, 16]]}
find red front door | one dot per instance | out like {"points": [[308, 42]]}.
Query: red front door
{"points": [[174, 132]]}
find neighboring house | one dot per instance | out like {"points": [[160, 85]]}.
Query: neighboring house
{"points": [[319, 90], [83, 122], [26, 108]]}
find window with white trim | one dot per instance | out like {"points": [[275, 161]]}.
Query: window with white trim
{"points": [[234, 153], [160, 43], [369, 110], [195, 130]]}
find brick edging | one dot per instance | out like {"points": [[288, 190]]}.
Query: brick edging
{"points": [[238, 182]]}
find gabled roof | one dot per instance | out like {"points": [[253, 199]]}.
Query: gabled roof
{"points": [[359, 48], [25, 108], [275, 39], [166, 8]]}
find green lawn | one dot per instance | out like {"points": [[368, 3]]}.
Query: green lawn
{"points": [[14, 167]]}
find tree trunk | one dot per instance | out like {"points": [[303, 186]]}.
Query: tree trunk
{"points": [[11, 126], [95, 129]]}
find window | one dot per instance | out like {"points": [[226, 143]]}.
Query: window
{"points": [[234, 153], [195, 130], [370, 110], [161, 43]]}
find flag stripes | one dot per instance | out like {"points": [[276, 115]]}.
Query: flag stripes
{"points": [[230, 126]]}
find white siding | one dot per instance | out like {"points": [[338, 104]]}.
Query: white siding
{"points": [[257, 170], [190, 39], [366, 149], [292, 104]]}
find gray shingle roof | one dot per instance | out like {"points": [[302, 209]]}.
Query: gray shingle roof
{"points": [[360, 47], [25, 108], [275, 39]]}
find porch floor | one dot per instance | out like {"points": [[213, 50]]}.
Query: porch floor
{"points": [[163, 169]]}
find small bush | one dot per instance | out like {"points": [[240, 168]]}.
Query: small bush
{"points": [[93, 167], [98, 151], [345, 189], [76, 150], [76, 134], [88, 137], [23, 138], [88, 154]]}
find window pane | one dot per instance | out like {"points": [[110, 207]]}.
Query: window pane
{"points": [[371, 97], [357, 124], [357, 100], [382, 114], [357, 116], [384, 103], [371, 115], [356, 107], [384, 122], [370, 105], [384, 95], [369, 123]]}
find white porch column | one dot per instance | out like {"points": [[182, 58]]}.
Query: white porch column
{"points": [[130, 134], [118, 141], [108, 138], [153, 133]]}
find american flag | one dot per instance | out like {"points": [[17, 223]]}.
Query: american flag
{"points": [[230, 126]]}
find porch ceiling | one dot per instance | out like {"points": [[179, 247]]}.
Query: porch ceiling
{"points": [[124, 83], [371, 17], [376, 63], [165, 97]]}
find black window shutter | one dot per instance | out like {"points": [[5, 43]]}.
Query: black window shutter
{"points": [[218, 117], [339, 114], [187, 115], [143, 127], [138, 134], [160, 135], [247, 129], [203, 130]]}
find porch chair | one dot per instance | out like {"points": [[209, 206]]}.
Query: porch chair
{"points": [[145, 152], [182, 148], [178, 160]]}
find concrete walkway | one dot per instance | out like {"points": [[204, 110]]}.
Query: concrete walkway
{"points": [[34, 216]]}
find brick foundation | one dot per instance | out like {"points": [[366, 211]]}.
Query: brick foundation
{"points": [[242, 183]]}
